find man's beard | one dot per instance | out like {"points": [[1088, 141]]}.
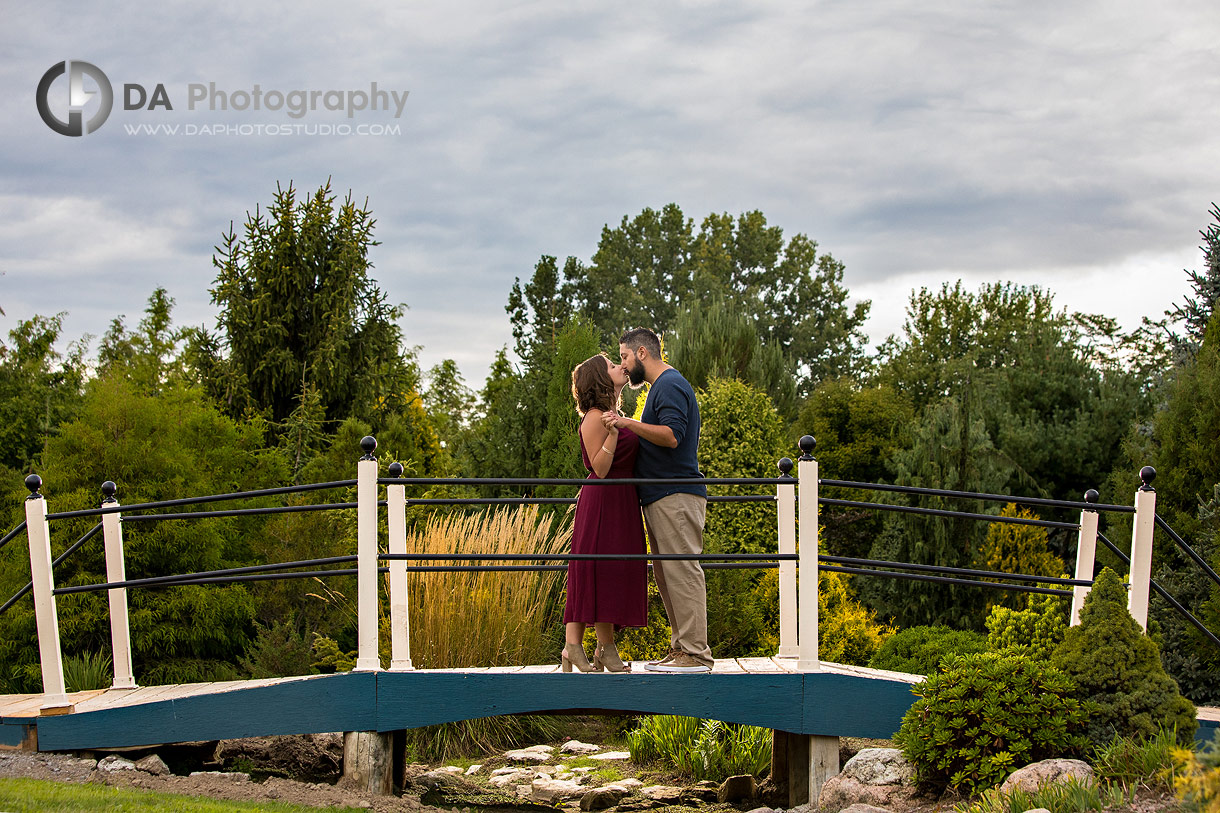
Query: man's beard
{"points": [[635, 376]]}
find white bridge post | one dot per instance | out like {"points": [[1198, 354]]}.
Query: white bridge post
{"points": [[50, 657], [116, 571], [400, 620], [367, 657], [1086, 554], [1141, 547], [785, 496], [807, 575]]}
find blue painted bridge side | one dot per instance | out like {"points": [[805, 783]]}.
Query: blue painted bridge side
{"points": [[805, 703]]}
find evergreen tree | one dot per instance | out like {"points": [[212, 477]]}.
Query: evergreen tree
{"points": [[1049, 401], [716, 340], [39, 389], [560, 453], [652, 268], [297, 303], [155, 447], [146, 357], [1118, 669], [1011, 548], [950, 449], [858, 429]]}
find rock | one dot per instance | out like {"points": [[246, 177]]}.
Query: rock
{"points": [[578, 747], [630, 783], [524, 791], [503, 777], [113, 763], [473, 769], [863, 808], [535, 753], [877, 777], [880, 766], [440, 778], [611, 755], [761, 810], [843, 791], [550, 791], [451, 769], [736, 789], [1047, 772], [153, 764], [662, 793], [1037, 810], [602, 798]]}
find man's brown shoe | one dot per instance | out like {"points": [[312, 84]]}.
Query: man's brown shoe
{"points": [[681, 663], [673, 653]]}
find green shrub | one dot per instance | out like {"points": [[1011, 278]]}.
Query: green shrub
{"points": [[984, 715], [88, 670], [1068, 797], [1139, 760], [1034, 631], [848, 632], [277, 651], [701, 749], [1118, 669], [919, 650]]}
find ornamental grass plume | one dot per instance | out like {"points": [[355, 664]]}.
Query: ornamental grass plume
{"points": [[486, 618], [1117, 668]]}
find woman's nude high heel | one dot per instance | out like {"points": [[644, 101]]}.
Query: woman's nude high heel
{"points": [[606, 656], [574, 655]]}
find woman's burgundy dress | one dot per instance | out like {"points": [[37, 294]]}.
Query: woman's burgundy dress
{"points": [[608, 520]]}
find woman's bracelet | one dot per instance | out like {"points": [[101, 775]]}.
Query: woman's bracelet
{"points": [[607, 451]]}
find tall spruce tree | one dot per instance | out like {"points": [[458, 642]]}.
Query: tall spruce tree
{"points": [[298, 304]]}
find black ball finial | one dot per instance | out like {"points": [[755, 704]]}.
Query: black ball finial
{"points": [[395, 469], [368, 444], [1091, 496], [33, 483], [807, 443], [785, 466], [1147, 475], [109, 489]]}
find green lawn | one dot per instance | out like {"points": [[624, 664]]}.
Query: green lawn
{"points": [[39, 796]]}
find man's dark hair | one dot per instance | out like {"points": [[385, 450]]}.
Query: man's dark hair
{"points": [[639, 337]]}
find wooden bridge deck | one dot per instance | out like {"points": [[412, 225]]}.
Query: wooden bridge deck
{"points": [[769, 692], [836, 701]]}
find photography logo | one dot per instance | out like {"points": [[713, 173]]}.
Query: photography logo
{"points": [[77, 97]]}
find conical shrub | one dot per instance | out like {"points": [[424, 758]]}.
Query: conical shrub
{"points": [[1118, 668]]}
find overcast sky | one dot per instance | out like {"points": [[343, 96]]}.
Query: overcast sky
{"points": [[1070, 145]]}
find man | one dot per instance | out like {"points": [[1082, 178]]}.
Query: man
{"points": [[673, 514]]}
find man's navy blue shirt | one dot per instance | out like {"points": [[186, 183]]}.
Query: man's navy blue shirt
{"points": [[671, 402]]}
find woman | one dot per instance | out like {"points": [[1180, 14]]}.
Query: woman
{"points": [[604, 593]]}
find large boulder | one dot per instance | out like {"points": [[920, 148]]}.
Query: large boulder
{"points": [[736, 789], [602, 798], [552, 791], [153, 764], [535, 753], [1047, 772], [880, 766], [877, 777], [578, 747]]}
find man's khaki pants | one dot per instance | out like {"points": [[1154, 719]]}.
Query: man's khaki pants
{"points": [[675, 525]]}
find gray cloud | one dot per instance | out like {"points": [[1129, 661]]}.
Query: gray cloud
{"points": [[1041, 142]]}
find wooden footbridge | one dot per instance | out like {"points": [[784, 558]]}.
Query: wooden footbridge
{"points": [[809, 703]]}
